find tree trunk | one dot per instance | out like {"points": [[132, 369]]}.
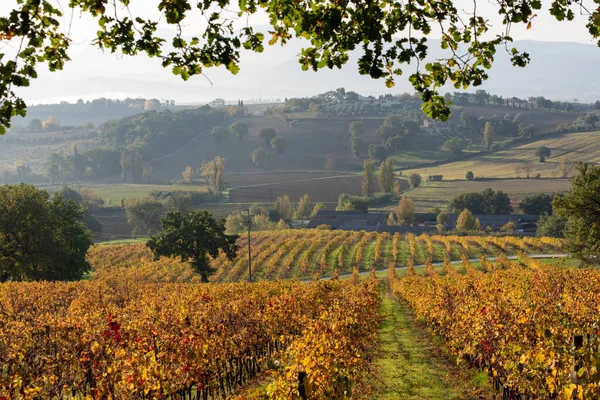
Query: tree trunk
{"points": [[204, 276]]}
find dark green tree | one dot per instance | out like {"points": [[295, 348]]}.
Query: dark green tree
{"points": [[145, 215], [219, 134], [357, 128], [377, 152], [35, 125], [454, 146], [53, 167], [387, 35], [538, 204], [239, 129], [551, 226], [195, 238], [41, 238], [543, 152], [267, 134], [347, 202], [279, 144], [368, 178], [415, 180], [486, 202], [581, 209], [386, 176], [356, 145]]}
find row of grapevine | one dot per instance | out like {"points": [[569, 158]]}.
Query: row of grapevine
{"points": [[303, 253], [534, 328], [125, 340]]}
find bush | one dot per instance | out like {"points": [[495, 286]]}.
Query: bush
{"points": [[379, 199], [469, 175], [415, 180], [435, 178], [324, 227], [347, 202], [196, 197], [509, 227]]}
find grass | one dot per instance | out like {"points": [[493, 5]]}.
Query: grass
{"points": [[432, 195], [580, 146], [113, 193], [412, 365]]}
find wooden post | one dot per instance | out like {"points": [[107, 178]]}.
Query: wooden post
{"points": [[578, 343], [301, 387]]}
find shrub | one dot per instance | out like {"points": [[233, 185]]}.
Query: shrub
{"points": [[435, 177], [415, 180], [324, 227]]}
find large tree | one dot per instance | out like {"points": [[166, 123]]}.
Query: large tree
{"points": [[145, 215], [466, 222], [219, 134], [486, 202], [387, 35], [368, 181], [279, 144], [537, 204], [386, 176], [581, 209], [455, 146], [40, 237], [239, 129], [195, 238], [267, 134], [260, 157], [405, 212]]}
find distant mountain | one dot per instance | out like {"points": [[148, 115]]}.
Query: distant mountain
{"points": [[560, 71]]}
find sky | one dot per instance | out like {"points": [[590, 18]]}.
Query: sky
{"points": [[88, 62]]}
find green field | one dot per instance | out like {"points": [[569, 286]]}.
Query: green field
{"points": [[581, 146], [433, 195], [113, 193]]}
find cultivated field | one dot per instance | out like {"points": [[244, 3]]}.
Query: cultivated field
{"points": [[582, 146], [113, 193], [310, 253], [433, 195], [325, 189]]}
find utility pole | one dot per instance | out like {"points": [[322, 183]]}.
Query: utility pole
{"points": [[249, 249]]}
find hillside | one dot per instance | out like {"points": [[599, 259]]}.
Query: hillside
{"points": [[581, 146], [310, 143], [432, 195]]}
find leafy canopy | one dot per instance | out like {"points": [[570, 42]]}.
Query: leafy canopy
{"points": [[387, 34], [41, 238], [581, 209], [486, 202], [195, 238]]}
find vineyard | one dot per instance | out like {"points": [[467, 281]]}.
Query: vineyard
{"points": [[145, 329], [120, 340], [532, 327], [311, 254]]}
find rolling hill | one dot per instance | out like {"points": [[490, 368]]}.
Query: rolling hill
{"points": [[580, 146]]}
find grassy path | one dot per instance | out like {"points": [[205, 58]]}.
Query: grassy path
{"points": [[412, 366]]}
